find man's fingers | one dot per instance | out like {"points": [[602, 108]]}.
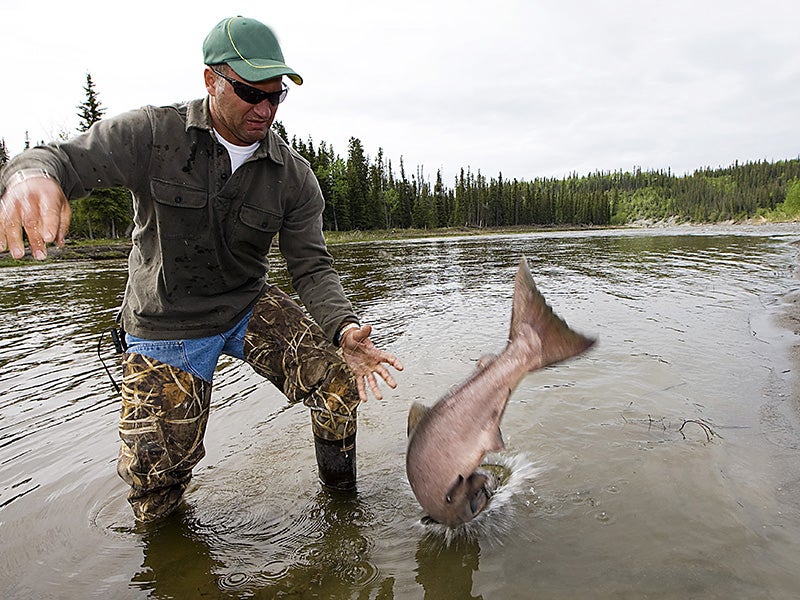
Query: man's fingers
{"points": [[38, 206], [362, 389], [390, 381], [386, 376], [393, 360], [63, 224], [51, 219], [3, 242], [373, 385], [15, 245], [11, 225], [368, 362], [50, 213], [32, 222]]}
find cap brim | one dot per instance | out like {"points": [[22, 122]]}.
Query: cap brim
{"points": [[261, 70]]}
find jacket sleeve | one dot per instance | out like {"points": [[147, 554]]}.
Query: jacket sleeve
{"points": [[113, 152], [310, 264]]}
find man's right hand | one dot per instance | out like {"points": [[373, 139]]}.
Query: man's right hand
{"points": [[38, 205]]}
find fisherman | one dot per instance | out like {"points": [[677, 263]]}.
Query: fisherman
{"points": [[212, 185]]}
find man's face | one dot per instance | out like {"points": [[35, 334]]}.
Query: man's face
{"points": [[237, 121]]}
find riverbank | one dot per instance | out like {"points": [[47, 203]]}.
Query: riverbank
{"points": [[110, 249], [79, 250]]}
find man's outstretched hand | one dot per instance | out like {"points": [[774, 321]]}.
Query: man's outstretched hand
{"points": [[38, 206], [366, 360]]}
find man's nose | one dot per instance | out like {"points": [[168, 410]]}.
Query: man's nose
{"points": [[264, 109]]}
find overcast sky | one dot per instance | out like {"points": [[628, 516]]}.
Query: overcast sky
{"points": [[527, 88]]}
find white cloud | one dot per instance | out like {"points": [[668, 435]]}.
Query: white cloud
{"points": [[527, 88]]}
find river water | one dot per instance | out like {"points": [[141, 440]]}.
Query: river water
{"points": [[662, 464]]}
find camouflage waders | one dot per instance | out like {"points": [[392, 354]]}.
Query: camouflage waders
{"points": [[164, 416], [291, 350], [165, 409]]}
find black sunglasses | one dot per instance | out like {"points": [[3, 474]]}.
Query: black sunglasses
{"points": [[253, 95]]}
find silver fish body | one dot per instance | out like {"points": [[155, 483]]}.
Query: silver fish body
{"points": [[447, 441]]}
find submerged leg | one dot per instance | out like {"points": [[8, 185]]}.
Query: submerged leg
{"points": [[291, 350], [163, 421]]}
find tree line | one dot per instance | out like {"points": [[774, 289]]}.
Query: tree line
{"points": [[369, 193], [364, 193]]}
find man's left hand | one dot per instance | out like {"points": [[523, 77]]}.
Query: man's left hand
{"points": [[366, 360]]}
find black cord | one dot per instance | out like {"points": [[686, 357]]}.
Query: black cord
{"points": [[117, 337]]}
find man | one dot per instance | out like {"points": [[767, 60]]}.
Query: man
{"points": [[212, 186]]}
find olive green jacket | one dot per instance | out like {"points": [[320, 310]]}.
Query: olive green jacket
{"points": [[201, 234]]}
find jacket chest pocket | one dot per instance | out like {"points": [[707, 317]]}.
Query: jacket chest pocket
{"points": [[181, 210], [255, 228]]}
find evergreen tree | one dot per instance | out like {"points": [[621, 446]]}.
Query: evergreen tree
{"points": [[105, 212], [339, 196], [278, 127], [90, 111], [442, 201], [3, 153], [358, 197], [378, 203], [405, 200]]}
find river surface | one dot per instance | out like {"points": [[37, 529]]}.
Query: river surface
{"points": [[664, 463]]}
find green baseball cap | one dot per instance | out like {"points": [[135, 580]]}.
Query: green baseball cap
{"points": [[249, 48]]}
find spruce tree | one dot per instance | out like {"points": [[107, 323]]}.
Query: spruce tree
{"points": [[105, 212], [90, 110], [3, 153], [357, 175]]}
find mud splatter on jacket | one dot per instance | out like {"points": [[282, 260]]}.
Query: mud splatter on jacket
{"points": [[201, 234]]}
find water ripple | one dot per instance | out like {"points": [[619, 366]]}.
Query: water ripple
{"points": [[686, 334]]}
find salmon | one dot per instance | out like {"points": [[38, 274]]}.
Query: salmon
{"points": [[447, 441]]}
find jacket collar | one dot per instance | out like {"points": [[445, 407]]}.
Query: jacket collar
{"points": [[198, 116]]}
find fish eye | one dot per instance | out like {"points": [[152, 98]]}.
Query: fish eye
{"points": [[449, 496]]}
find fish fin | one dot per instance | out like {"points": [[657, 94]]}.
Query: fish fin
{"points": [[496, 443], [415, 414], [550, 339]]}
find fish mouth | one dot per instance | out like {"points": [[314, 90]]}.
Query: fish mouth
{"points": [[484, 494], [471, 508], [470, 505], [479, 501]]}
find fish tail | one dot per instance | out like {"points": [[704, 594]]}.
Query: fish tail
{"points": [[546, 337]]}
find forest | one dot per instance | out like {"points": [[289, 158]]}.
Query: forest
{"points": [[367, 192]]}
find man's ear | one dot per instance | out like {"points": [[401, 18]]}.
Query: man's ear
{"points": [[210, 79]]}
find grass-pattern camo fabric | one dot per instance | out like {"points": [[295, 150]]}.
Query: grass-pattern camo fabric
{"points": [[163, 421], [291, 350], [165, 410]]}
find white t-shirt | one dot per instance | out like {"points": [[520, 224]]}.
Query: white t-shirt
{"points": [[238, 154]]}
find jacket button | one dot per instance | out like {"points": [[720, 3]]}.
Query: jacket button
{"points": [[178, 199]]}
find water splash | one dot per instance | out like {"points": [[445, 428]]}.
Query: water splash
{"points": [[516, 474]]}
